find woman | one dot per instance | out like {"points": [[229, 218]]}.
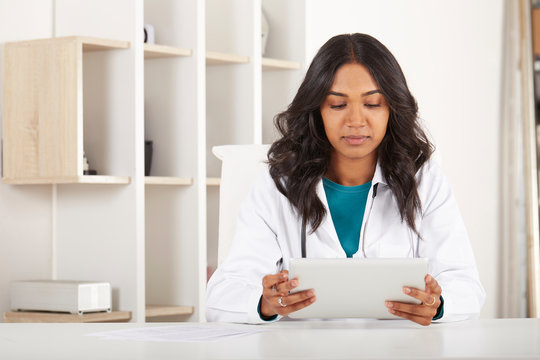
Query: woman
{"points": [[353, 167]]}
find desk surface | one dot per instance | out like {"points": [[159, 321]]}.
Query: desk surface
{"points": [[355, 339]]}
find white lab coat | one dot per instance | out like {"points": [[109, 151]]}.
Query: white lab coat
{"points": [[268, 229]]}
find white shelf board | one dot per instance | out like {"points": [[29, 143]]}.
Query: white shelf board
{"points": [[153, 51]]}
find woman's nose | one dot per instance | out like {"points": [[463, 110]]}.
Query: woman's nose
{"points": [[357, 117]]}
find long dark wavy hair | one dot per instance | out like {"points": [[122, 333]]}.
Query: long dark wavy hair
{"points": [[301, 157]]}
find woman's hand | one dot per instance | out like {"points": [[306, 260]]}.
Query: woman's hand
{"points": [[423, 313], [276, 298]]}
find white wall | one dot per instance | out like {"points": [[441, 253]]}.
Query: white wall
{"points": [[450, 52], [451, 55], [25, 211]]}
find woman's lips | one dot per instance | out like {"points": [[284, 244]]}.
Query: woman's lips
{"points": [[355, 140]]}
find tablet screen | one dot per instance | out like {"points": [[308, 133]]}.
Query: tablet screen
{"points": [[356, 288]]}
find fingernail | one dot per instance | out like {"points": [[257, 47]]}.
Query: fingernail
{"points": [[406, 290], [393, 311], [389, 305], [310, 293], [312, 299], [283, 276], [294, 283]]}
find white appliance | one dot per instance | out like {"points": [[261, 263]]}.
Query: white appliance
{"points": [[76, 297]]}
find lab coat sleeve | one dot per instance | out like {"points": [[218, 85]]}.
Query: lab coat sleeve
{"points": [[445, 242], [234, 290]]}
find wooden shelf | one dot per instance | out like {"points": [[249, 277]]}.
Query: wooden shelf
{"points": [[97, 44], [167, 180], [154, 51], [216, 58], [51, 317], [86, 179], [213, 181], [88, 43], [167, 310], [278, 64]]}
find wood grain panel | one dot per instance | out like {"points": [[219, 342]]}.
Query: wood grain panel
{"points": [[42, 83]]}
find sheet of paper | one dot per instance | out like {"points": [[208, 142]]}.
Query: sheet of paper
{"points": [[185, 332]]}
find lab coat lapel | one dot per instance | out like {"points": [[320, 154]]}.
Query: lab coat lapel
{"points": [[365, 236], [327, 225]]}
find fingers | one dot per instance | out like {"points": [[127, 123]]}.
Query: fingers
{"points": [[271, 305], [432, 286], [285, 287], [293, 299], [276, 288], [297, 301], [420, 313], [269, 281], [413, 309], [428, 299], [422, 320]]}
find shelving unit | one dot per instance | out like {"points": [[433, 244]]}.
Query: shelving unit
{"points": [[204, 83]]}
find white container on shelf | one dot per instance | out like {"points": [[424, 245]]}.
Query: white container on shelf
{"points": [[76, 297]]}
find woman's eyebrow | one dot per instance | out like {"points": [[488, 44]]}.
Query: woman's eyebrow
{"points": [[335, 93], [371, 92]]}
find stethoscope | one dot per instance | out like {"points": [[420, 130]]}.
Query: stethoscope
{"points": [[303, 234]]}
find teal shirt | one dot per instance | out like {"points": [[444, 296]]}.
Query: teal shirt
{"points": [[347, 205]]}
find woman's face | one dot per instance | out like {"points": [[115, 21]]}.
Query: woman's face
{"points": [[355, 114]]}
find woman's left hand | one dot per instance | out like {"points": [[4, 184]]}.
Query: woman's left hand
{"points": [[423, 313]]}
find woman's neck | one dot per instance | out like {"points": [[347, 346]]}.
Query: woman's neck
{"points": [[351, 172]]}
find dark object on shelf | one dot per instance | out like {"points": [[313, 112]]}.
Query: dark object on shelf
{"points": [[86, 166], [148, 150], [149, 34]]}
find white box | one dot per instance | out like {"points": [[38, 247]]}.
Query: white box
{"points": [[76, 297]]}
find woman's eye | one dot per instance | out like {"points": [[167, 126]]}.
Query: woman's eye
{"points": [[340, 106], [372, 105]]}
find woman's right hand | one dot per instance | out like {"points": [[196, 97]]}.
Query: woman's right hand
{"points": [[276, 287]]}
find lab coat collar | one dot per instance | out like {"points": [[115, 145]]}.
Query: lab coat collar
{"points": [[327, 224], [378, 177]]}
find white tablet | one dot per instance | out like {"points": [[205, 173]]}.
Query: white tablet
{"points": [[356, 288]]}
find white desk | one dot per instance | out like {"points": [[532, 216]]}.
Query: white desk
{"points": [[359, 339]]}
